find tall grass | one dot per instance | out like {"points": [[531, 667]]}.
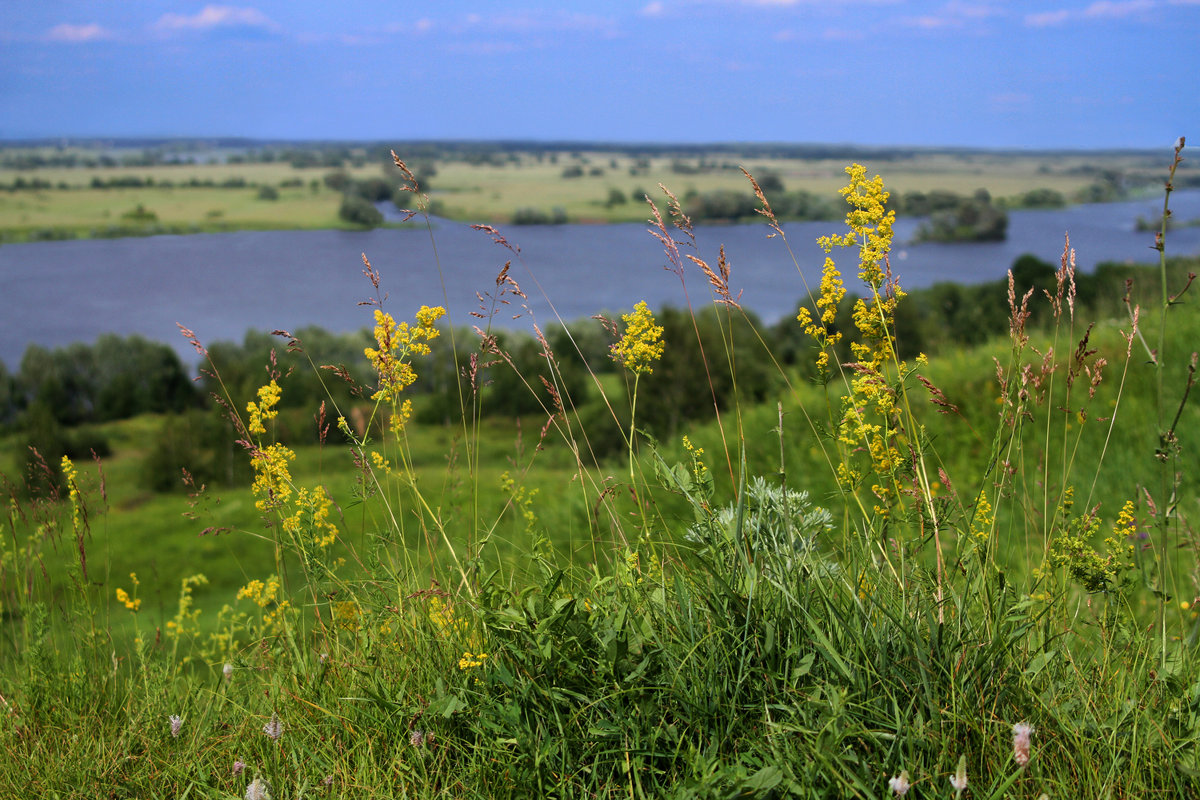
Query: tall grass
{"points": [[886, 582]]}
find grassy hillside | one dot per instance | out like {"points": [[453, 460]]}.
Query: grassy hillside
{"points": [[972, 574]]}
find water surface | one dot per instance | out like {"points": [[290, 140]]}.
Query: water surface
{"points": [[220, 285]]}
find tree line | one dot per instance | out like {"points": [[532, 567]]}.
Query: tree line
{"points": [[56, 395]]}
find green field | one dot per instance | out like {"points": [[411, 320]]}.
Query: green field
{"points": [[973, 573], [494, 189]]}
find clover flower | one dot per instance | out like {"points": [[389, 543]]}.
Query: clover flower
{"points": [[227, 671], [274, 728], [258, 790], [417, 738], [959, 779], [1021, 733], [238, 766], [900, 784], [176, 725]]}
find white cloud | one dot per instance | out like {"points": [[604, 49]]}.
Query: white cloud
{"points": [[77, 33], [212, 17], [954, 14], [1045, 19], [653, 9], [1098, 10], [1117, 8], [541, 23]]}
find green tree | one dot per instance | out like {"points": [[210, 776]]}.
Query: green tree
{"points": [[358, 211]]}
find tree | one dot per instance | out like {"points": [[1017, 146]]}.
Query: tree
{"points": [[358, 211]]}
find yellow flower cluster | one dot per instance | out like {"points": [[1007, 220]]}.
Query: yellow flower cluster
{"points": [[642, 343], [469, 661], [71, 477], [831, 294], [397, 344], [264, 409], [272, 478], [441, 614], [699, 468], [264, 594], [521, 497], [259, 592], [129, 602], [984, 517], [1093, 569], [1126, 525], [871, 225], [132, 603], [346, 614], [186, 619], [312, 514]]}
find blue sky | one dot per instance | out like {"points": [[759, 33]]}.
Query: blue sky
{"points": [[1073, 74]]}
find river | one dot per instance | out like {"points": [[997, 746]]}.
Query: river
{"points": [[220, 285]]}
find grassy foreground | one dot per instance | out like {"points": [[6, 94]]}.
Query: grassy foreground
{"points": [[939, 613]]}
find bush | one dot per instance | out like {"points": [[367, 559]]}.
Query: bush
{"points": [[268, 193], [358, 211]]}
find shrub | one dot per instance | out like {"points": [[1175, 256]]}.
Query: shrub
{"points": [[358, 211]]}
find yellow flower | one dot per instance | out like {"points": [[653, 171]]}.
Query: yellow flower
{"points": [[132, 603], [981, 522], [469, 661], [397, 344], [264, 409], [642, 343], [272, 479], [312, 515]]}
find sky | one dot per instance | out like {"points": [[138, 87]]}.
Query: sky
{"points": [[1066, 74]]}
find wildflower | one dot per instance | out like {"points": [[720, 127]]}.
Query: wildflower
{"points": [[238, 766], [264, 409], [274, 728], [469, 661], [900, 784], [176, 725], [1021, 733], [397, 344], [227, 671], [959, 779], [258, 790], [327, 780], [642, 343], [272, 479], [417, 738], [132, 603]]}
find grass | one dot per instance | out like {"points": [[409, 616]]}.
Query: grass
{"points": [[87, 212], [840, 592]]}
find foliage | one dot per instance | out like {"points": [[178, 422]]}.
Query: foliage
{"points": [[358, 211], [973, 219]]}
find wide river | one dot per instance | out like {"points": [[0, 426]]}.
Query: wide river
{"points": [[220, 285]]}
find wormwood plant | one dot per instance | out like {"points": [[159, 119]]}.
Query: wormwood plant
{"points": [[950, 622]]}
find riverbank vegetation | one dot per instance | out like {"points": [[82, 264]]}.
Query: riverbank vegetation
{"points": [[689, 557], [63, 191]]}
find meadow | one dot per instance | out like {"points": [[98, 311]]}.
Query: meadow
{"points": [[217, 194], [970, 574]]}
